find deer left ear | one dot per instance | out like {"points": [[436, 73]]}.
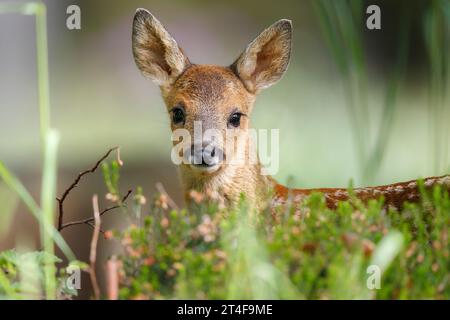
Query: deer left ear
{"points": [[266, 58]]}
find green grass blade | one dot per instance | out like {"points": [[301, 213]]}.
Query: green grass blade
{"points": [[14, 184], [9, 201], [390, 103], [38, 9], [48, 195]]}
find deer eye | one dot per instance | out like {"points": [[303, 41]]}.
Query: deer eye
{"points": [[235, 119], [177, 115]]}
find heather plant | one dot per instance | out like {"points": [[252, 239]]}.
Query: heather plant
{"points": [[305, 251]]}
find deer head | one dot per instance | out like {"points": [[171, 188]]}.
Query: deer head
{"points": [[211, 97]]}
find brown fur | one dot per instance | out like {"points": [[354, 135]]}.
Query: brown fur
{"points": [[209, 94], [395, 195]]}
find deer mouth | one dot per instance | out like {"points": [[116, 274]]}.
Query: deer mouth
{"points": [[206, 168], [205, 160]]}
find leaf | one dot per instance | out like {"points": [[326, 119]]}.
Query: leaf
{"points": [[79, 264], [386, 251]]}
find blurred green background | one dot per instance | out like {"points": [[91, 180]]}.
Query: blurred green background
{"points": [[99, 99]]}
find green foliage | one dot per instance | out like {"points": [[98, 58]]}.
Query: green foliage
{"points": [[111, 177], [23, 275], [306, 251]]}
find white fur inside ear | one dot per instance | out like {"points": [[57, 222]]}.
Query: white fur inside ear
{"points": [[266, 58], [155, 51]]}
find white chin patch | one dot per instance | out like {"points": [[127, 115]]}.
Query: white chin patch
{"points": [[205, 169]]}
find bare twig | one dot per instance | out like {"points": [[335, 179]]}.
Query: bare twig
{"points": [[89, 221], [112, 273], [93, 251], [74, 184], [170, 202], [119, 161], [92, 225]]}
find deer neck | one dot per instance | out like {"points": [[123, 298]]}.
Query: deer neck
{"points": [[227, 185]]}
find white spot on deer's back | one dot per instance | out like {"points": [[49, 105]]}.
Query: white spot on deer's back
{"points": [[430, 182], [340, 193], [412, 185], [411, 196], [445, 181]]}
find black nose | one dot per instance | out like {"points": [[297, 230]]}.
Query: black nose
{"points": [[206, 156]]}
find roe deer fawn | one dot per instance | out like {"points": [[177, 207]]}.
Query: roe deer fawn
{"points": [[222, 98]]}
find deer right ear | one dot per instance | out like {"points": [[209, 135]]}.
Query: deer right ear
{"points": [[156, 53]]}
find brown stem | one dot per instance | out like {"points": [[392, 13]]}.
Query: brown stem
{"points": [[74, 184], [161, 190], [89, 221], [112, 272], [93, 251]]}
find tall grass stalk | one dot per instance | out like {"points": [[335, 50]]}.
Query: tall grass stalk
{"points": [[15, 185], [388, 115], [333, 31], [9, 201], [39, 11], [437, 36], [48, 196], [252, 275], [49, 142], [342, 22]]}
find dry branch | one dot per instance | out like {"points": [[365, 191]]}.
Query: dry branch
{"points": [[93, 250], [74, 185], [112, 273], [89, 221]]}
